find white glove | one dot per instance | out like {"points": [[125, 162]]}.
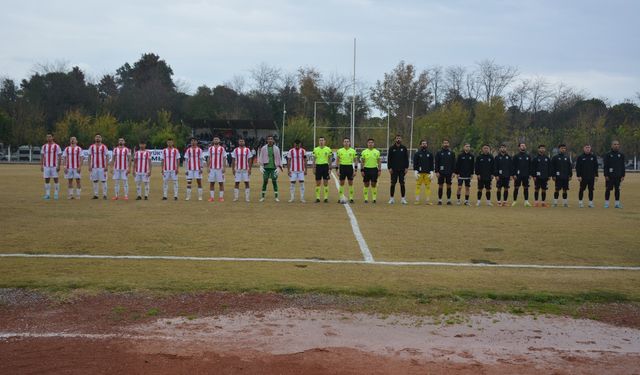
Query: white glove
{"points": [[415, 173], [431, 174], [261, 169]]}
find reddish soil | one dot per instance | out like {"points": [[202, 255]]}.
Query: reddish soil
{"points": [[222, 333]]}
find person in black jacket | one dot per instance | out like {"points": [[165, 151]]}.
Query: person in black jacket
{"points": [[464, 170], [614, 173], [445, 164], [587, 173], [540, 172], [398, 165], [502, 171], [561, 174], [423, 167], [521, 174], [484, 172]]}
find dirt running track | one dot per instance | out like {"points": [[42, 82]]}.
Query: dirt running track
{"points": [[220, 333]]}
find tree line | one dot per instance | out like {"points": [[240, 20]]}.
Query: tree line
{"points": [[483, 103]]}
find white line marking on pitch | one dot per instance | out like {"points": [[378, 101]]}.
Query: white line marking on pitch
{"points": [[90, 336], [364, 249], [321, 261]]}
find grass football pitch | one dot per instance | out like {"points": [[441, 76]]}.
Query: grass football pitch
{"points": [[458, 234]]}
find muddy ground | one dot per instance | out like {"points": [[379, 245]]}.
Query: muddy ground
{"points": [[224, 333]]}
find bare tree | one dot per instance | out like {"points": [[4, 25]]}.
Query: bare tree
{"points": [[57, 66], [265, 79], [436, 83], [519, 96], [494, 78], [454, 78], [472, 85], [237, 84], [540, 94], [566, 96]]}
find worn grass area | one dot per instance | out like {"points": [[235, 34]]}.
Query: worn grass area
{"points": [[283, 230]]}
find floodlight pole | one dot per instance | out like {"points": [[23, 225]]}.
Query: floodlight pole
{"points": [[284, 115], [388, 117], [315, 106], [413, 105], [353, 104]]}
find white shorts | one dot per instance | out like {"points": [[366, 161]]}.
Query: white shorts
{"points": [[169, 175], [72, 173], [98, 174], [242, 175], [194, 175], [216, 175], [141, 177], [120, 174], [50, 172], [297, 176]]}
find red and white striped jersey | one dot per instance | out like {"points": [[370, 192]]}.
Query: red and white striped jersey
{"points": [[72, 156], [120, 158], [193, 158], [50, 153], [170, 157], [217, 156], [142, 161], [98, 154], [296, 158], [241, 155]]}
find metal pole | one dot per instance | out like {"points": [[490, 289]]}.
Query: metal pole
{"points": [[314, 123], [413, 105], [284, 115], [353, 104], [388, 117]]}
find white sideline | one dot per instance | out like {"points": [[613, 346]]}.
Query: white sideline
{"points": [[321, 261], [90, 336], [364, 249]]}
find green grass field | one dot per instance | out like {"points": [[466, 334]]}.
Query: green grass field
{"points": [[560, 236]]}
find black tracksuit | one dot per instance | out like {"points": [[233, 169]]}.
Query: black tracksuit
{"points": [[445, 165], [562, 173], [502, 171], [464, 170], [484, 171], [613, 172], [540, 172], [397, 161], [586, 171], [521, 171], [423, 161]]}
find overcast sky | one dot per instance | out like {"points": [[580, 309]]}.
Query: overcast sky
{"points": [[591, 45]]}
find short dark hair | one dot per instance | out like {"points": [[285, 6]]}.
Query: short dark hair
{"points": [[424, 140], [322, 136], [541, 146], [503, 145], [142, 142], [521, 143], [486, 144], [562, 145], [346, 138], [193, 139], [370, 139], [445, 139], [169, 139], [467, 144], [296, 142], [269, 136]]}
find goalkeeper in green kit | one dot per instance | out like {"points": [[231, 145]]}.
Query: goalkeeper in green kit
{"points": [[270, 160]]}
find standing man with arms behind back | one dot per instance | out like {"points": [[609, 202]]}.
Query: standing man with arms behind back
{"points": [[72, 157], [50, 166], [345, 159], [562, 173], [371, 168], [464, 170], [484, 170], [270, 160], [614, 173], [423, 166], [398, 164], [521, 174], [445, 163], [502, 164], [321, 166], [540, 172], [587, 173]]}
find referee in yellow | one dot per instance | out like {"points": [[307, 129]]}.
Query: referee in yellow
{"points": [[321, 161], [346, 157], [371, 167]]}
